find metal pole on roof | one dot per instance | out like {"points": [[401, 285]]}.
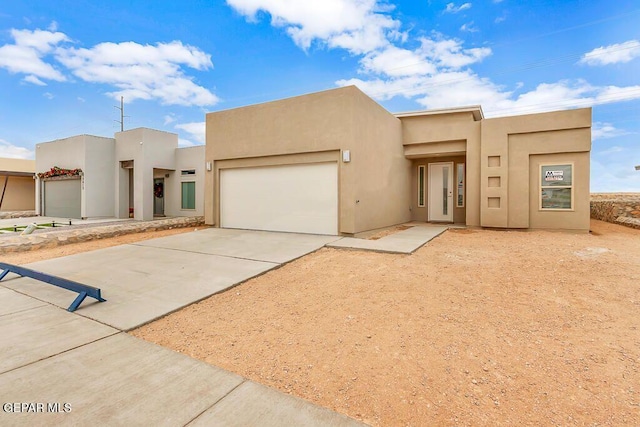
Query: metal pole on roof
{"points": [[121, 108]]}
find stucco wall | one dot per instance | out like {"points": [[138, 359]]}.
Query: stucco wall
{"points": [[443, 136], [381, 172], [578, 218], [99, 192], [377, 186], [149, 149], [373, 186], [507, 145], [66, 153], [19, 193], [186, 158], [17, 165], [95, 156], [268, 133]]}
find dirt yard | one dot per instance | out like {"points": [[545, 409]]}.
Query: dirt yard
{"points": [[476, 328]]}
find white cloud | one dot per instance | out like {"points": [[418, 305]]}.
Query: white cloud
{"points": [[449, 54], [169, 118], [430, 58], [436, 72], [611, 150], [34, 80], [395, 61], [53, 26], [13, 151], [568, 94], [26, 55], [452, 8], [358, 26], [612, 54], [469, 28], [136, 71], [600, 130], [48, 95], [143, 71], [464, 87], [195, 129], [185, 143]]}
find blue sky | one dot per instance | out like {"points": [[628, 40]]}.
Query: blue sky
{"points": [[65, 64]]}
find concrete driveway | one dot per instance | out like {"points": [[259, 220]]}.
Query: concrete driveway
{"points": [[147, 280], [81, 368]]}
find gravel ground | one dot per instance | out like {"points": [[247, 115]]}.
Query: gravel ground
{"points": [[479, 327]]}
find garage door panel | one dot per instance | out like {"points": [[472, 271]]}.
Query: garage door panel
{"points": [[62, 198], [294, 198]]}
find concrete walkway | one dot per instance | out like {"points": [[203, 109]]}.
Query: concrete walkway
{"points": [[402, 242], [81, 368]]}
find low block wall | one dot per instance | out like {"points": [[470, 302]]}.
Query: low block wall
{"points": [[52, 239], [17, 214], [617, 208]]}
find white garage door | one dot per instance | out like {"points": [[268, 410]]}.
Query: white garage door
{"points": [[294, 198], [62, 198]]}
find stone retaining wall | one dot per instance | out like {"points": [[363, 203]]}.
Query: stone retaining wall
{"points": [[17, 214], [64, 237], [617, 208]]}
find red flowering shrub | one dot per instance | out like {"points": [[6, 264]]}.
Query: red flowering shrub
{"points": [[56, 171]]}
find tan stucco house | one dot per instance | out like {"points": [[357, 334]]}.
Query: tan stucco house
{"points": [[336, 162], [17, 186], [140, 173]]}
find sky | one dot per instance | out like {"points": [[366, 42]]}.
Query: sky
{"points": [[64, 65]]}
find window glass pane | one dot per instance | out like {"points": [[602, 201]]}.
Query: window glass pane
{"points": [[556, 198], [420, 185], [445, 190], [460, 199], [556, 175], [188, 195]]}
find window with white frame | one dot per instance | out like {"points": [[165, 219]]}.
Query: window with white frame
{"points": [[421, 185], [556, 186]]}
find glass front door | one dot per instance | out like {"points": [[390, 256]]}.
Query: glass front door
{"points": [[441, 192]]}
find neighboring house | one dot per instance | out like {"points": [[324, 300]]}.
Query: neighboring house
{"points": [[140, 173], [17, 186], [336, 162]]}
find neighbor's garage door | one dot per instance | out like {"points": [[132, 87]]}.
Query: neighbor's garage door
{"points": [[294, 198], [62, 198]]}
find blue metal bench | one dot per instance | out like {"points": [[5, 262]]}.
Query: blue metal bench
{"points": [[82, 290]]}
